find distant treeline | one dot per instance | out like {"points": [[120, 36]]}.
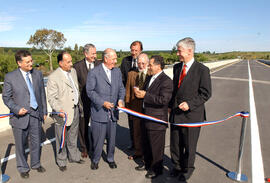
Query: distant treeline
{"points": [[7, 61]]}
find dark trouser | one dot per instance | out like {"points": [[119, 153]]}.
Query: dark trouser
{"points": [[137, 136], [131, 130], [153, 148], [100, 131], [85, 142], [183, 147], [21, 139]]}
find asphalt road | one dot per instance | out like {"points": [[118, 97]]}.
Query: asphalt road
{"points": [[217, 148]]}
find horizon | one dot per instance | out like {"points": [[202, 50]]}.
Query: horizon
{"points": [[219, 27]]}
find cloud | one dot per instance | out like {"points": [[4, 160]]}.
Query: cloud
{"points": [[6, 22]]}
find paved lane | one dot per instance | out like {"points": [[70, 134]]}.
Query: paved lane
{"points": [[217, 148]]}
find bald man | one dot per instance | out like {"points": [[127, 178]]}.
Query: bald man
{"points": [[105, 89]]}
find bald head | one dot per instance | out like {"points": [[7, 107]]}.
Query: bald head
{"points": [[143, 61], [109, 58]]}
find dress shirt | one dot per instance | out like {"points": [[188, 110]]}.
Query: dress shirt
{"points": [[90, 65], [24, 75], [134, 61], [107, 71], [73, 85], [154, 77], [189, 64]]}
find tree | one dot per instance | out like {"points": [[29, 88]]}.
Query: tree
{"points": [[76, 48], [48, 41]]}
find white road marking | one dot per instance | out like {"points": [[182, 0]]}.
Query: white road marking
{"points": [[27, 150], [256, 153]]}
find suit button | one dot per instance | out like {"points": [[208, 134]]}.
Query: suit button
{"points": [[71, 91], [72, 99]]}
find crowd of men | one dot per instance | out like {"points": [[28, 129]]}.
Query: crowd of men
{"points": [[85, 97]]}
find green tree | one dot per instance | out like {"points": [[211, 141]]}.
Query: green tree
{"points": [[48, 41], [76, 48]]}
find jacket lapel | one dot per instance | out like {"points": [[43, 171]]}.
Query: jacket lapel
{"points": [[189, 74], [63, 77], [155, 82], [21, 79], [104, 75]]}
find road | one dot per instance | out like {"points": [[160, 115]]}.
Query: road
{"points": [[218, 145]]}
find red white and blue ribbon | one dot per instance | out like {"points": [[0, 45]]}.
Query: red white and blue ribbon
{"points": [[63, 136], [197, 124]]}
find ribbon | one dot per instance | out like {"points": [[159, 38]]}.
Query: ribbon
{"points": [[63, 136], [198, 124]]}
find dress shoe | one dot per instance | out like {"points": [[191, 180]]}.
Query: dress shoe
{"points": [[62, 168], [174, 173], [79, 162], [40, 169], [24, 175], [152, 175], [140, 168], [94, 166], [84, 154], [134, 157], [131, 147], [182, 178], [112, 165]]}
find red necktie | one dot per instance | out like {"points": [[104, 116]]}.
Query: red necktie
{"points": [[182, 75]]}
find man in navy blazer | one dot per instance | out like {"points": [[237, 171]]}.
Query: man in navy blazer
{"points": [[105, 89], [24, 95], [192, 88]]}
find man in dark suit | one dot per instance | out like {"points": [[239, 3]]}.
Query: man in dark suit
{"points": [[129, 63], [24, 95], [105, 89], [82, 67], [192, 88], [156, 97]]}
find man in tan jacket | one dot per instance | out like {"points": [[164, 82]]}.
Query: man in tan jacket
{"points": [[63, 96], [135, 80]]}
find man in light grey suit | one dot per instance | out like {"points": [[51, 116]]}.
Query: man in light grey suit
{"points": [[24, 95], [63, 96], [105, 88]]}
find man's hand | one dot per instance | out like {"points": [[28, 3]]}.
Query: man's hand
{"points": [[61, 114], [183, 106], [140, 93], [120, 103], [108, 105], [22, 111]]}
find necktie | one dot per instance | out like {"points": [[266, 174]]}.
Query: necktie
{"points": [[134, 64], [33, 101], [75, 92], [182, 75], [141, 80], [108, 74]]}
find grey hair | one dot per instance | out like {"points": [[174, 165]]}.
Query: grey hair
{"points": [[187, 42], [107, 53], [87, 46], [143, 56]]}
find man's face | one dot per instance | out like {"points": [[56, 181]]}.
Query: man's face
{"points": [[135, 50], [183, 53], [153, 68], [111, 60], [26, 63], [142, 64], [66, 63], [91, 55]]}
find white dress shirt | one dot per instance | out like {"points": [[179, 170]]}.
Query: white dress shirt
{"points": [[24, 75], [107, 71], [89, 64], [153, 78]]}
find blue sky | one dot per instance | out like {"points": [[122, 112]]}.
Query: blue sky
{"points": [[218, 26]]}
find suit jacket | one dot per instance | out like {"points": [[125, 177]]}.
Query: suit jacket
{"points": [[125, 67], [16, 96], [60, 94], [156, 100], [99, 89], [195, 89], [81, 70], [131, 101]]}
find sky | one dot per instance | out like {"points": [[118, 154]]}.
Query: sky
{"points": [[216, 26]]}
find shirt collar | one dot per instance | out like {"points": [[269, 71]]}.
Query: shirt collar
{"points": [[190, 63], [105, 68], [156, 75]]}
